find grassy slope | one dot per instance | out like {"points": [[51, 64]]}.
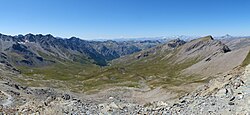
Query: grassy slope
{"points": [[63, 74], [154, 70], [247, 60], [82, 75]]}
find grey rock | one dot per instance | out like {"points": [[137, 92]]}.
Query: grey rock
{"points": [[66, 97], [230, 103]]}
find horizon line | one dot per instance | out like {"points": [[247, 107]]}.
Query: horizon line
{"points": [[122, 37]]}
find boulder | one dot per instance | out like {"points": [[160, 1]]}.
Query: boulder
{"points": [[66, 97]]}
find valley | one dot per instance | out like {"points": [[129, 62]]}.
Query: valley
{"points": [[124, 57], [42, 74]]}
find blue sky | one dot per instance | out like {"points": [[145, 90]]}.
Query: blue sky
{"points": [[92, 19]]}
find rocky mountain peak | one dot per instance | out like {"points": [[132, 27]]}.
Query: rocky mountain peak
{"points": [[207, 38], [227, 36], [175, 43], [73, 38], [202, 47], [49, 36], [199, 43]]}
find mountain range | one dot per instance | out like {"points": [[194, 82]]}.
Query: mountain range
{"points": [[42, 68], [32, 50]]}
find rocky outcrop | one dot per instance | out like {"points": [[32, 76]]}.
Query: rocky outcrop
{"points": [[175, 43]]}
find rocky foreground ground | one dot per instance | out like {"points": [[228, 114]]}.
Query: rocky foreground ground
{"points": [[227, 94]]}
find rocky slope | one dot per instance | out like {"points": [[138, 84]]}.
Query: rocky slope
{"points": [[219, 60], [203, 76], [173, 66], [237, 42], [227, 94], [177, 64], [41, 50]]}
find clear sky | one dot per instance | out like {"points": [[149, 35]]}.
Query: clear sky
{"points": [[91, 19]]}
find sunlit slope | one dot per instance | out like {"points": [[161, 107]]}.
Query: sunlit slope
{"points": [[173, 66], [169, 65]]}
